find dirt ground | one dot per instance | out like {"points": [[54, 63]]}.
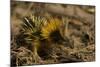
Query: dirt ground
{"points": [[79, 31]]}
